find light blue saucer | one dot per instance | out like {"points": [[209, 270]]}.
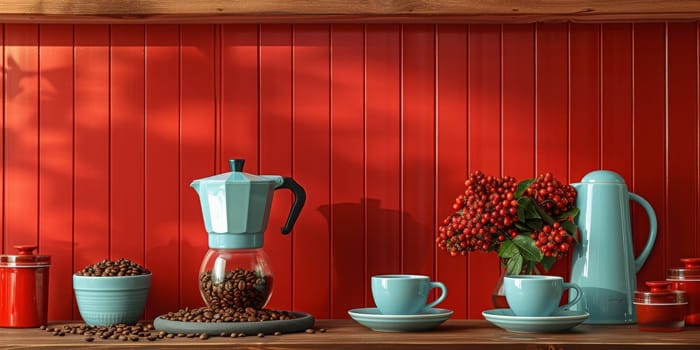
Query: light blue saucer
{"points": [[559, 322], [422, 321]]}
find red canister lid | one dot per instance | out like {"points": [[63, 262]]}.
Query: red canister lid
{"points": [[689, 272], [660, 292], [25, 258]]}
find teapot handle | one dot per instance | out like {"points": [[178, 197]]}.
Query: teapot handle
{"points": [[299, 200], [639, 261]]}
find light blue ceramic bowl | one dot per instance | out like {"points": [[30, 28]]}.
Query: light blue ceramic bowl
{"points": [[105, 301]]}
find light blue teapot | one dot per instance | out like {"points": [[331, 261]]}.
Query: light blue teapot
{"points": [[604, 264]]}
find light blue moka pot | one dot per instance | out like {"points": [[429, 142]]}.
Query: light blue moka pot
{"points": [[236, 206], [604, 264]]}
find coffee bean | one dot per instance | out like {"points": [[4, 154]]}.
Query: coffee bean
{"points": [[261, 335], [204, 336], [278, 333], [109, 268], [322, 330], [237, 288], [89, 339], [206, 314], [310, 331]]}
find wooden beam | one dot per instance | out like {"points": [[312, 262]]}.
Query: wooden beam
{"points": [[364, 11]]}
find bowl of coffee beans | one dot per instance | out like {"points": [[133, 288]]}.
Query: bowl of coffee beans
{"points": [[112, 292]]}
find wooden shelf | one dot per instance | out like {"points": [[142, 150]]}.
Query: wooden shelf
{"points": [[338, 11], [346, 334]]}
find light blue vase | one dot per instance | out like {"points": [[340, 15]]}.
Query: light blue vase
{"points": [[604, 264]]}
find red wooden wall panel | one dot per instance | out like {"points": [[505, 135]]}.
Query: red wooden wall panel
{"points": [[682, 143], [311, 167], [106, 126], [21, 136], [648, 143], [382, 156], [162, 165], [275, 108], [197, 151], [127, 142], [56, 161], [484, 145], [451, 152], [346, 214]]}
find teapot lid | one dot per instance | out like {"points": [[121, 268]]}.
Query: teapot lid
{"points": [[236, 176], [603, 176]]}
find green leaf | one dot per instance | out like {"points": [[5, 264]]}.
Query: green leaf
{"points": [[522, 227], [514, 265], [527, 209], [527, 248], [508, 250], [548, 262], [570, 227], [572, 213], [522, 186], [534, 224]]}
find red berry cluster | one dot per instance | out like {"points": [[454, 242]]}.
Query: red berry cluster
{"points": [[553, 240], [553, 196], [485, 215]]}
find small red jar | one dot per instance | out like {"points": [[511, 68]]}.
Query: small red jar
{"points": [[687, 279], [661, 309], [24, 288]]}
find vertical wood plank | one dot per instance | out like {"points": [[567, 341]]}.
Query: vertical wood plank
{"points": [[56, 162], [345, 211], [240, 132], [21, 135], [649, 140], [276, 150], [127, 184], [91, 146], [418, 149], [451, 153], [3, 68], [382, 155], [584, 100], [551, 122], [616, 100], [484, 147], [162, 164], [311, 147], [197, 149], [682, 149], [518, 101]]}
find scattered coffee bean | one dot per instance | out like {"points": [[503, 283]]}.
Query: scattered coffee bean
{"points": [[261, 335], [89, 339], [310, 331], [322, 330], [278, 333], [205, 314], [204, 336], [241, 335], [109, 268]]}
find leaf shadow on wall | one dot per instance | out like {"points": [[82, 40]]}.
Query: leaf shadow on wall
{"points": [[366, 240]]}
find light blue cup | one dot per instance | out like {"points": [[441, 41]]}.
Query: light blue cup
{"points": [[105, 301], [404, 294], [537, 295]]}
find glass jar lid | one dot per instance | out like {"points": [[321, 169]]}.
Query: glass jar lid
{"points": [[689, 271], [660, 292], [24, 258]]}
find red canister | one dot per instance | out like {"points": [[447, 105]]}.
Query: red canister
{"points": [[687, 279], [660, 309], [24, 288]]}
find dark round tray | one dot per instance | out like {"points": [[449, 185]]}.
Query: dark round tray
{"points": [[302, 322]]}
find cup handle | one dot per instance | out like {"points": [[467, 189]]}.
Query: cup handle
{"points": [[443, 294], [579, 294]]}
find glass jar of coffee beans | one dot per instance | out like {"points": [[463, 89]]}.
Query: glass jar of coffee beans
{"points": [[235, 278]]}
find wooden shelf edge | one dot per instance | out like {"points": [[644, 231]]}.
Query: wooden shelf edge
{"points": [[344, 11]]}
